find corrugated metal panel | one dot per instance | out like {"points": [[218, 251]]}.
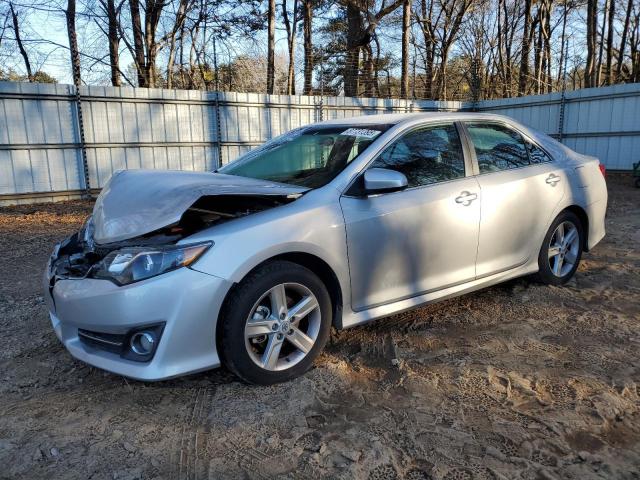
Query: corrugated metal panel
{"points": [[154, 128]]}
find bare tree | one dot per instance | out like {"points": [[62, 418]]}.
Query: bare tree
{"points": [[612, 12], [178, 26], [623, 40], [23, 52], [307, 24], [427, 26], [291, 28], [406, 30], [454, 12], [361, 25], [145, 45], [635, 45], [598, 73], [271, 45], [526, 45], [112, 13], [70, 14], [138, 42], [592, 27]]}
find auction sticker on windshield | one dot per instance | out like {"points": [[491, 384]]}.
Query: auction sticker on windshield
{"points": [[361, 132]]}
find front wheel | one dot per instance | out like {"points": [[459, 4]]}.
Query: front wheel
{"points": [[275, 323], [561, 250]]}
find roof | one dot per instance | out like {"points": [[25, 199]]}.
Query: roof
{"points": [[397, 118]]}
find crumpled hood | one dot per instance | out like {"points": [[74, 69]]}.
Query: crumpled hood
{"points": [[137, 202]]}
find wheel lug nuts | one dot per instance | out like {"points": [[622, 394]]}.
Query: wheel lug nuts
{"points": [[274, 327], [290, 332], [280, 336], [282, 316]]}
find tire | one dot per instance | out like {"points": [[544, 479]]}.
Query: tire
{"points": [[249, 325], [569, 253]]}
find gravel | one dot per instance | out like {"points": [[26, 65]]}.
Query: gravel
{"points": [[516, 381]]}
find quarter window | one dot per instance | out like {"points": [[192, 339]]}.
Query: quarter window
{"points": [[425, 156], [536, 154], [497, 147]]}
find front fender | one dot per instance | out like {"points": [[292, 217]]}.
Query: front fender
{"points": [[303, 226]]}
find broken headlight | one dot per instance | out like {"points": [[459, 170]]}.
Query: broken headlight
{"points": [[129, 265]]}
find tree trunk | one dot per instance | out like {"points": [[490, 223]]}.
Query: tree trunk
{"points": [[171, 60], [406, 26], [601, 44], [635, 51], [592, 27], [612, 11], [429, 44], [181, 56], [177, 27], [271, 43], [149, 43], [537, 50], [563, 40], [623, 40], [546, 32], [509, 46], [443, 74], [70, 14], [355, 31], [138, 42], [114, 43], [368, 81], [307, 18], [290, 27], [23, 52], [194, 32], [524, 60]]}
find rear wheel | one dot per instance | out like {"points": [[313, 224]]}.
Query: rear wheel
{"points": [[561, 250], [275, 323]]}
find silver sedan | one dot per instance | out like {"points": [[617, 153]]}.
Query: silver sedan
{"points": [[332, 224]]}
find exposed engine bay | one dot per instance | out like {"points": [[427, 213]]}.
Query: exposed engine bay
{"points": [[79, 255]]}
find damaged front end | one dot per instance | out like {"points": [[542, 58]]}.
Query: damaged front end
{"points": [[150, 254]]}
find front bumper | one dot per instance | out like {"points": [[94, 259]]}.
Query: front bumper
{"points": [[187, 302]]}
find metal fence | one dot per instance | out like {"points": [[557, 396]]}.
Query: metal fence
{"points": [[603, 122], [41, 152]]}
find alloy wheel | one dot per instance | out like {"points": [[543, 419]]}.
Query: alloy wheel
{"points": [[283, 326], [564, 248]]}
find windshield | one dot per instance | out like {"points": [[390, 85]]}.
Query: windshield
{"points": [[308, 156]]}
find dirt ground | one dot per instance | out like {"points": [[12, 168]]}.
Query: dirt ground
{"points": [[516, 381]]}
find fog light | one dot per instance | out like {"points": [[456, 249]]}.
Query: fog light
{"points": [[142, 343]]}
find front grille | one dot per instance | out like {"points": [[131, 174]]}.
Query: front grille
{"points": [[110, 342]]}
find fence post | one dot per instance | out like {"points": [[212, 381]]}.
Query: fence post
{"points": [[83, 146], [563, 96], [216, 106], [319, 110], [77, 82], [475, 84]]}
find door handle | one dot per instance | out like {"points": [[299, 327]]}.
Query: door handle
{"points": [[466, 198], [552, 179]]}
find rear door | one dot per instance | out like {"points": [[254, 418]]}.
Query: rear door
{"points": [[420, 239], [520, 189]]}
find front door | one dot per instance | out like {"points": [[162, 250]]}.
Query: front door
{"points": [[421, 239]]}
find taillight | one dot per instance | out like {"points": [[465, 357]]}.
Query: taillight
{"points": [[603, 170]]}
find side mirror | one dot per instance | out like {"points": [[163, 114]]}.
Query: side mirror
{"points": [[383, 180]]}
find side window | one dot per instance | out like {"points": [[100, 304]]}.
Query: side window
{"points": [[537, 155], [425, 156], [497, 147]]}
